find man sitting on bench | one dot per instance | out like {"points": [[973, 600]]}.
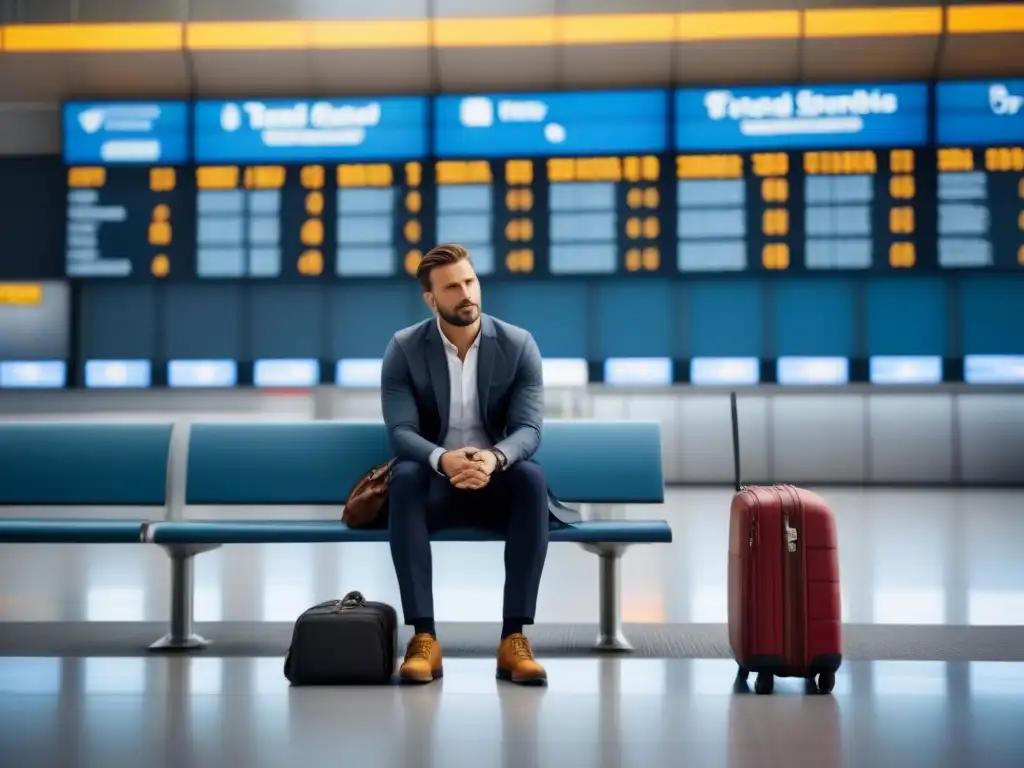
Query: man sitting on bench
{"points": [[462, 397]]}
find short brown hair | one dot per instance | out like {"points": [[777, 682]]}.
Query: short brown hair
{"points": [[439, 256]]}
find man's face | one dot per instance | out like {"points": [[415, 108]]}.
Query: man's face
{"points": [[455, 293]]}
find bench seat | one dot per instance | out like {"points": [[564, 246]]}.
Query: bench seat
{"points": [[292, 531], [65, 531]]}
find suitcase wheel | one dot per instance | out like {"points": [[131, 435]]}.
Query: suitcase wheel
{"points": [[741, 673], [765, 683], [826, 682]]}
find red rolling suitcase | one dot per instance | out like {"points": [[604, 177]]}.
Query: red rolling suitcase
{"points": [[785, 617]]}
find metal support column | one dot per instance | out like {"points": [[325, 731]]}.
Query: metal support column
{"points": [[610, 638], [182, 636]]}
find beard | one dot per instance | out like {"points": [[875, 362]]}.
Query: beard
{"points": [[463, 315]]}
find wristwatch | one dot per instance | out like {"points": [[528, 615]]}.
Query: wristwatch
{"points": [[500, 460]]}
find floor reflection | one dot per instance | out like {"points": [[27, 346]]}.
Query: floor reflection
{"points": [[596, 712]]}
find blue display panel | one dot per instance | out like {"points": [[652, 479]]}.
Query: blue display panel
{"points": [[980, 128], [979, 113], [309, 130], [129, 133], [129, 201], [545, 124], [552, 184], [811, 117], [816, 179], [300, 189]]}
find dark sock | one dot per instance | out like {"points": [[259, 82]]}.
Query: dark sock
{"points": [[511, 626], [421, 626]]}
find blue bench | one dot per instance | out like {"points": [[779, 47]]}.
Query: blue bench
{"points": [[62, 466], [54, 467], [317, 463]]}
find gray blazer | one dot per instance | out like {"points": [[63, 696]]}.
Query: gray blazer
{"points": [[416, 393]]}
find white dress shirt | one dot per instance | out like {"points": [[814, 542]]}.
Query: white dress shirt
{"points": [[465, 427]]}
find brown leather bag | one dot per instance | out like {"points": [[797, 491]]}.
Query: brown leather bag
{"points": [[368, 497]]}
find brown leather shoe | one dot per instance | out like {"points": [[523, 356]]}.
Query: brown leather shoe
{"points": [[516, 663], [422, 660]]}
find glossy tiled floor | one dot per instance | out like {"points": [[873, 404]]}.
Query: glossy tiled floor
{"points": [[596, 712], [907, 557]]}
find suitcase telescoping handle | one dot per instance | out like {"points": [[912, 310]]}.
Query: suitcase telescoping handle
{"points": [[735, 441]]}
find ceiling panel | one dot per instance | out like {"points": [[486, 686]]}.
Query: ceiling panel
{"points": [[273, 10], [37, 11], [132, 10], [373, 72], [736, 62], [875, 59], [982, 56], [496, 69], [127, 75], [30, 129], [596, 66], [620, 6], [40, 77], [33, 77], [456, 8], [226, 74]]}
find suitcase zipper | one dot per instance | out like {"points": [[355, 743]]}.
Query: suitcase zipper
{"points": [[791, 534], [792, 580]]}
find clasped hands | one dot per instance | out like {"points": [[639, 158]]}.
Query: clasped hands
{"points": [[468, 469]]}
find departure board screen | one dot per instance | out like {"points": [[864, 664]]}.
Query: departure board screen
{"points": [[130, 201], [819, 178], [980, 163], [307, 188], [552, 184]]}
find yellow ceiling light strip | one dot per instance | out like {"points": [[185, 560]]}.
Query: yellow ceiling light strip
{"points": [[350, 35], [985, 19], [498, 32], [872, 22], [248, 35], [616, 29], [738, 25], [514, 31], [92, 38]]}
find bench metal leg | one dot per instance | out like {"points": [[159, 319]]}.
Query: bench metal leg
{"points": [[610, 638], [182, 637]]}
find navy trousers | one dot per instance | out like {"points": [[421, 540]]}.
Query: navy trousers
{"points": [[514, 503]]}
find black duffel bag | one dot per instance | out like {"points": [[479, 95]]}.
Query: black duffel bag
{"points": [[343, 642]]}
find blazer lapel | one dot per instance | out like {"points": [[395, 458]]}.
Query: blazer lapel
{"points": [[485, 364], [437, 364]]}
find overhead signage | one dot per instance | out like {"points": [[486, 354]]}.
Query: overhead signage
{"points": [[593, 123], [125, 133], [980, 113], [809, 117], [279, 130]]}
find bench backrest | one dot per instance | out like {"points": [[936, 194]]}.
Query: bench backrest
{"points": [[311, 463], [84, 464]]}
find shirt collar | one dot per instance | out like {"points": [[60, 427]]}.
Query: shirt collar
{"points": [[451, 347]]}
